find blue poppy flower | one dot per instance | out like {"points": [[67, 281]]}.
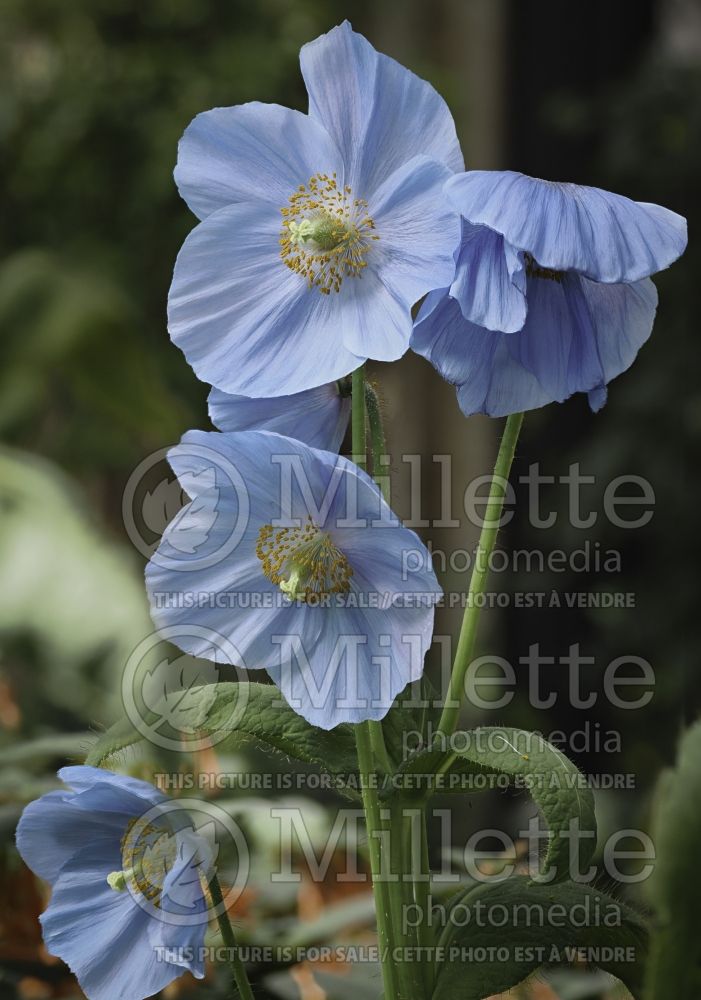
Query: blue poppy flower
{"points": [[319, 231], [319, 417], [127, 912], [551, 294], [323, 587]]}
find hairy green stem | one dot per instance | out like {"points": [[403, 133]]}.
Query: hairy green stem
{"points": [[370, 746], [478, 580], [227, 932], [380, 888]]}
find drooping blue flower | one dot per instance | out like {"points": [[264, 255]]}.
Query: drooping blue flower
{"points": [[127, 912], [320, 231], [323, 587], [319, 417], [551, 294]]}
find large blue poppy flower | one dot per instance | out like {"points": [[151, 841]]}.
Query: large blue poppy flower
{"points": [[300, 568], [551, 294], [319, 417], [127, 911], [319, 231]]}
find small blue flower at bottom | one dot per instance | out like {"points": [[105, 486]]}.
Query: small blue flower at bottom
{"points": [[319, 417], [127, 912], [299, 568], [551, 295]]}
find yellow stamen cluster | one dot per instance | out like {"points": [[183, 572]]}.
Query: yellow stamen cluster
{"points": [[534, 270], [303, 562], [148, 854], [326, 233]]}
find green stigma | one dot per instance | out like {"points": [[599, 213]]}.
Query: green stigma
{"points": [[118, 880], [321, 232]]}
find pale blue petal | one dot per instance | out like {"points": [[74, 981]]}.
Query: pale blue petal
{"points": [[604, 236], [102, 935], [245, 322], [220, 590], [578, 336], [476, 361], [318, 417], [379, 113], [360, 663], [336, 494], [490, 280], [111, 791], [52, 830], [418, 230], [251, 152]]}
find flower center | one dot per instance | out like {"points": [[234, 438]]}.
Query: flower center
{"points": [[534, 270], [148, 854], [326, 233], [303, 562]]}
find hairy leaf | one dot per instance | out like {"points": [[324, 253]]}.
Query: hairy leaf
{"points": [[244, 710], [473, 760], [675, 953], [512, 928]]}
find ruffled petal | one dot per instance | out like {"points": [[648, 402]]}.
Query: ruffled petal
{"points": [[362, 659], [52, 830], [342, 501], [578, 336], [418, 231], [216, 594], [319, 417], [112, 792], [246, 323], [102, 935], [251, 151], [604, 236], [379, 113], [490, 280]]}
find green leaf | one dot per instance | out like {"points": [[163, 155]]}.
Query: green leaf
{"points": [[242, 710], [674, 888], [478, 757], [514, 927]]}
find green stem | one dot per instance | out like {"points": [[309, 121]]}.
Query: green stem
{"points": [[368, 743], [478, 580], [377, 438], [227, 932], [380, 888], [422, 898], [358, 425]]}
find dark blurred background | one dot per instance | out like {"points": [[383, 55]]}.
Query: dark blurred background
{"points": [[94, 95]]}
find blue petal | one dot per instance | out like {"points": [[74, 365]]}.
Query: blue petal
{"points": [[102, 935], [319, 417], [578, 336], [182, 896], [246, 323], [418, 230], [380, 114], [490, 280], [216, 593], [603, 236], [362, 659], [52, 830], [112, 791], [336, 495], [251, 151]]}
